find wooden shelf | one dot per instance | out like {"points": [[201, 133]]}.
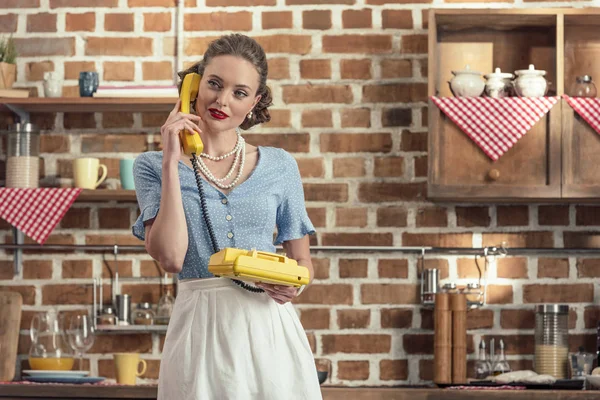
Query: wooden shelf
{"points": [[124, 329], [106, 195], [90, 104]]}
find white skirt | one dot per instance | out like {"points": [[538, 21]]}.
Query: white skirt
{"points": [[224, 342]]}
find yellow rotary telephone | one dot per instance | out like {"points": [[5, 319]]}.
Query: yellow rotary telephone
{"points": [[245, 265]]}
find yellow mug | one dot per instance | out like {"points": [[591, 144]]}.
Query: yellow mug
{"points": [[127, 367], [85, 172]]}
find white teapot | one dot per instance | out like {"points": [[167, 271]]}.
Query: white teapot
{"points": [[466, 83], [530, 82], [52, 85], [498, 84]]}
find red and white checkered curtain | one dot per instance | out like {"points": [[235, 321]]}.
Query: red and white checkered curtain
{"points": [[36, 212], [588, 108], [495, 125]]}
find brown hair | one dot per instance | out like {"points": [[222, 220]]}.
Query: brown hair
{"points": [[248, 49]]}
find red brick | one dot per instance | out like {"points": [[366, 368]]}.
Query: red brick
{"points": [[157, 22], [383, 192], [321, 94], [396, 318], [41, 22], [292, 142], [357, 19], [317, 119], [353, 370], [413, 44], [355, 142], [66, 294], [480, 319], [393, 370], [396, 19], [581, 239], [351, 268], [311, 167], [114, 46], [327, 294], [357, 239], [392, 268], [353, 319], [394, 93], [154, 71], [355, 69], [119, 71], [279, 68], [553, 215], [421, 166], [8, 23], [425, 366], [360, 44], [277, 20], [34, 71], [109, 344], [440, 264], [418, 343], [349, 167], [83, 3], [316, 19], [318, 2], [318, 216], [77, 269], [109, 269], [39, 47], [104, 143], [121, 22], [393, 68], [467, 269], [437, 239], [591, 317], [565, 293], [432, 217], [73, 68], [512, 268], [218, 21], [516, 344], [37, 269], [512, 215], [499, 294], [587, 215], [322, 267], [522, 239], [374, 293], [315, 318], [553, 268], [588, 268], [472, 216], [326, 192], [392, 216], [80, 22], [355, 117], [108, 239], [517, 319], [358, 344], [389, 167], [20, 4], [77, 218], [351, 217], [293, 44], [315, 69]]}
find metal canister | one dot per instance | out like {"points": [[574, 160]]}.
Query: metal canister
{"points": [[22, 156], [552, 340]]}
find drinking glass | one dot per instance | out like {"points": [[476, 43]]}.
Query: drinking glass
{"points": [[81, 335]]}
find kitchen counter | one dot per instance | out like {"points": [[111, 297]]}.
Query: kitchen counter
{"points": [[101, 392]]}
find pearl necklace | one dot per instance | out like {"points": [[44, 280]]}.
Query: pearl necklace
{"points": [[239, 156], [235, 149]]}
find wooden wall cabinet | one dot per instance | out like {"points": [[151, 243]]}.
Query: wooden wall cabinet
{"points": [[556, 159]]}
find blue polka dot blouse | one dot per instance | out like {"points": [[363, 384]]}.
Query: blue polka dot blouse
{"points": [[272, 197]]}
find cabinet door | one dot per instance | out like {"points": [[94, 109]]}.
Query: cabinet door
{"points": [[460, 171], [581, 157]]}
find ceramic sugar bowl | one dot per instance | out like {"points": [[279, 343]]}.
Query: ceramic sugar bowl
{"points": [[530, 82], [498, 84], [466, 83]]}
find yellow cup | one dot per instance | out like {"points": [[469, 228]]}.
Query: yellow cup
{"points": [[127, 367], [85, 172]]}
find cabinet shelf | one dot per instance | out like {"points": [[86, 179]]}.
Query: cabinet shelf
{"points": [[124, 329], [90, 104], [102, 195]]}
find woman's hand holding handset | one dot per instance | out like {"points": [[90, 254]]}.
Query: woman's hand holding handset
{"points": [[175, 123], [280, 293]]}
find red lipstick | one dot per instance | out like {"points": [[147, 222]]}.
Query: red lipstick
{"points": [[217, 114]]}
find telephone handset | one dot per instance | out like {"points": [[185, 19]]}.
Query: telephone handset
{"points": [[191, 142], [254, 266]]}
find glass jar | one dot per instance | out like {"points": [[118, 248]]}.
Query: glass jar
{"points": [[143, 314], [22, 156], [107, 316], [583, 87], [165, 308], [552, 340]]}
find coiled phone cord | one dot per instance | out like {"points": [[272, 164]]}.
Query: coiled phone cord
{"points": [[207, 221]]}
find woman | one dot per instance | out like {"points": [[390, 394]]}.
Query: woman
{"points": [[223, 341]]}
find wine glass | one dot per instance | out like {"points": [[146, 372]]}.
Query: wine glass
{"points": [[81, 335]]}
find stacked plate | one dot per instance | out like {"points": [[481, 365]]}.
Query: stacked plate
{"points": [[47, 376]]}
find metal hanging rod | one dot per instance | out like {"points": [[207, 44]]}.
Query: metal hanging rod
{"points": [[491, 250]]}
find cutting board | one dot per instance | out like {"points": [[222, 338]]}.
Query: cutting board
{"points": [[10, 321]]}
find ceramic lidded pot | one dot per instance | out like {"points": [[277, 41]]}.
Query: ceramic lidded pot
{"points": [[498, 84], [466, 83], [530, 82]]}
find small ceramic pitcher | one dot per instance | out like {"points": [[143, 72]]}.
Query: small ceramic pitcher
{"points": [[52, 85]]}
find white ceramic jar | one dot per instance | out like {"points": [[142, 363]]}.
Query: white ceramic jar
{"points": [[498, 84], [466, 83], [52, 84], [530, 82]]}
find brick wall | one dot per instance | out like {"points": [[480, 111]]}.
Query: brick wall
{"points": [[349, 82]]}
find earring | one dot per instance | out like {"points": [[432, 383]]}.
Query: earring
{"points": [[249, 116]]}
